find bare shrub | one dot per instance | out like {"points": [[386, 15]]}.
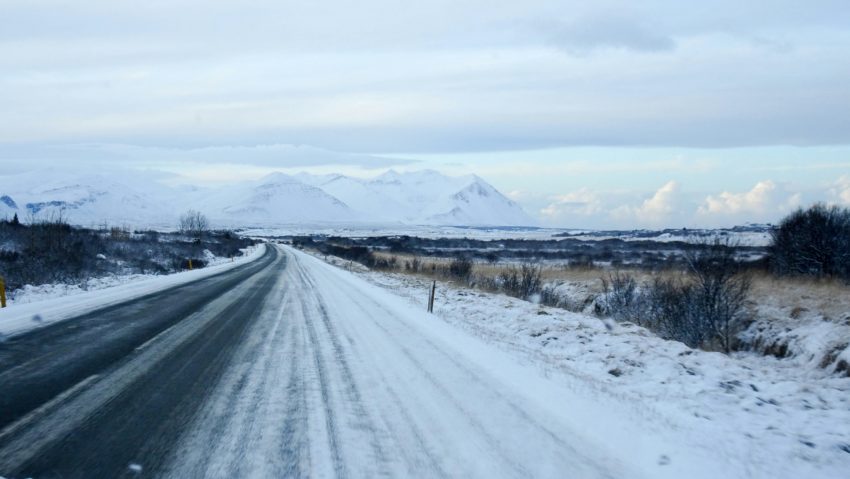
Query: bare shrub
{"points": [[620, 298], [719, 290], [461, 268], [509, 280], [670, 312], [522, 282], [705, 308], [530, 282], [195, 224]]}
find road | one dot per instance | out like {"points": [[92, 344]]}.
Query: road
{"points": [[285, 367]]}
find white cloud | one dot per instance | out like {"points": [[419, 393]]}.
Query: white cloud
{"points": [[757, 200], [767, 201], [662, 204], [587, 208], [663, 208], [840, 191], [572, 206], [671, 206]]}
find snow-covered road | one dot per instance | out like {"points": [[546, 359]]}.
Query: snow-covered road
{"points": [[338, 382], [306, 370]]}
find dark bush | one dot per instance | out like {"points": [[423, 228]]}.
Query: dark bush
{"points": [[719, 290], [522, 282], [705, 308], [812, 242], [461, 268], [621, 298]]}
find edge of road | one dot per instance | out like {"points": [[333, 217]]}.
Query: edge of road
{"points": [[20, 319]]}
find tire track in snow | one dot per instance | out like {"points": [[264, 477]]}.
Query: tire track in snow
{"points": [[387, 320], [355, 399]]}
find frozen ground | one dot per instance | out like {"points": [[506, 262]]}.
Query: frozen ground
{"points": [[750, 415], [36, 306]]}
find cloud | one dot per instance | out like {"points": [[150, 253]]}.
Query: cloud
{"points": [[672, 206], [667, 206], [370, 77], [659, 210], [568, 207], [754, 201], [840, 191], [765, 202], [765, 197]]}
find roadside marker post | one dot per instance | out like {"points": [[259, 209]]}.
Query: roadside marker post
{"points": [[190, 264], [431, 297], [2, 292]]}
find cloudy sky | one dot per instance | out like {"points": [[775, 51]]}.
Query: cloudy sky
{"points": [[590, 114]]}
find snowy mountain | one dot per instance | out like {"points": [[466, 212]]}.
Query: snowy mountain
{"points": [[85, 199], [424, 197], [276, 199], [141, 199]]}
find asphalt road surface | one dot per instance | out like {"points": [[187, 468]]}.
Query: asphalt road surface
{"points": [[284, 367]]}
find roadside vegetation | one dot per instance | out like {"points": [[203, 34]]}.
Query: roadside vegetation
{"points": [[49, 250], [705, 293]]}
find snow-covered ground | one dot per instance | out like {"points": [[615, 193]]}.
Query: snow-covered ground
{"points": [[753, 415], [366, 229], [37, 306], [740, 238]]}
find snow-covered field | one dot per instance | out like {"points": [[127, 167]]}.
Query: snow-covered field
{"points": [[37, 306], [755, 415]]}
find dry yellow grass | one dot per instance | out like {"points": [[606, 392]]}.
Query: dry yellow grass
{"points": [[590, 277], [831, 298]]}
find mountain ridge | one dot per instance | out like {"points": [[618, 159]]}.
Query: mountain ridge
{"points": [[424, 197]]}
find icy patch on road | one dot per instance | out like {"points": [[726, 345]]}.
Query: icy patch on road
{"points": [[765, 416], [37, 306]]}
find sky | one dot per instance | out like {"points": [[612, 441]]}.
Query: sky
{"points": [[603, 114]]}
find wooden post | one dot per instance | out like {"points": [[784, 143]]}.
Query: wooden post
{"points": [[431, 297], [190, 264], [2, 292]]}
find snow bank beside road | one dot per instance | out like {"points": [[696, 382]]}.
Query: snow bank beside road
{"points": [[57, 302]]}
